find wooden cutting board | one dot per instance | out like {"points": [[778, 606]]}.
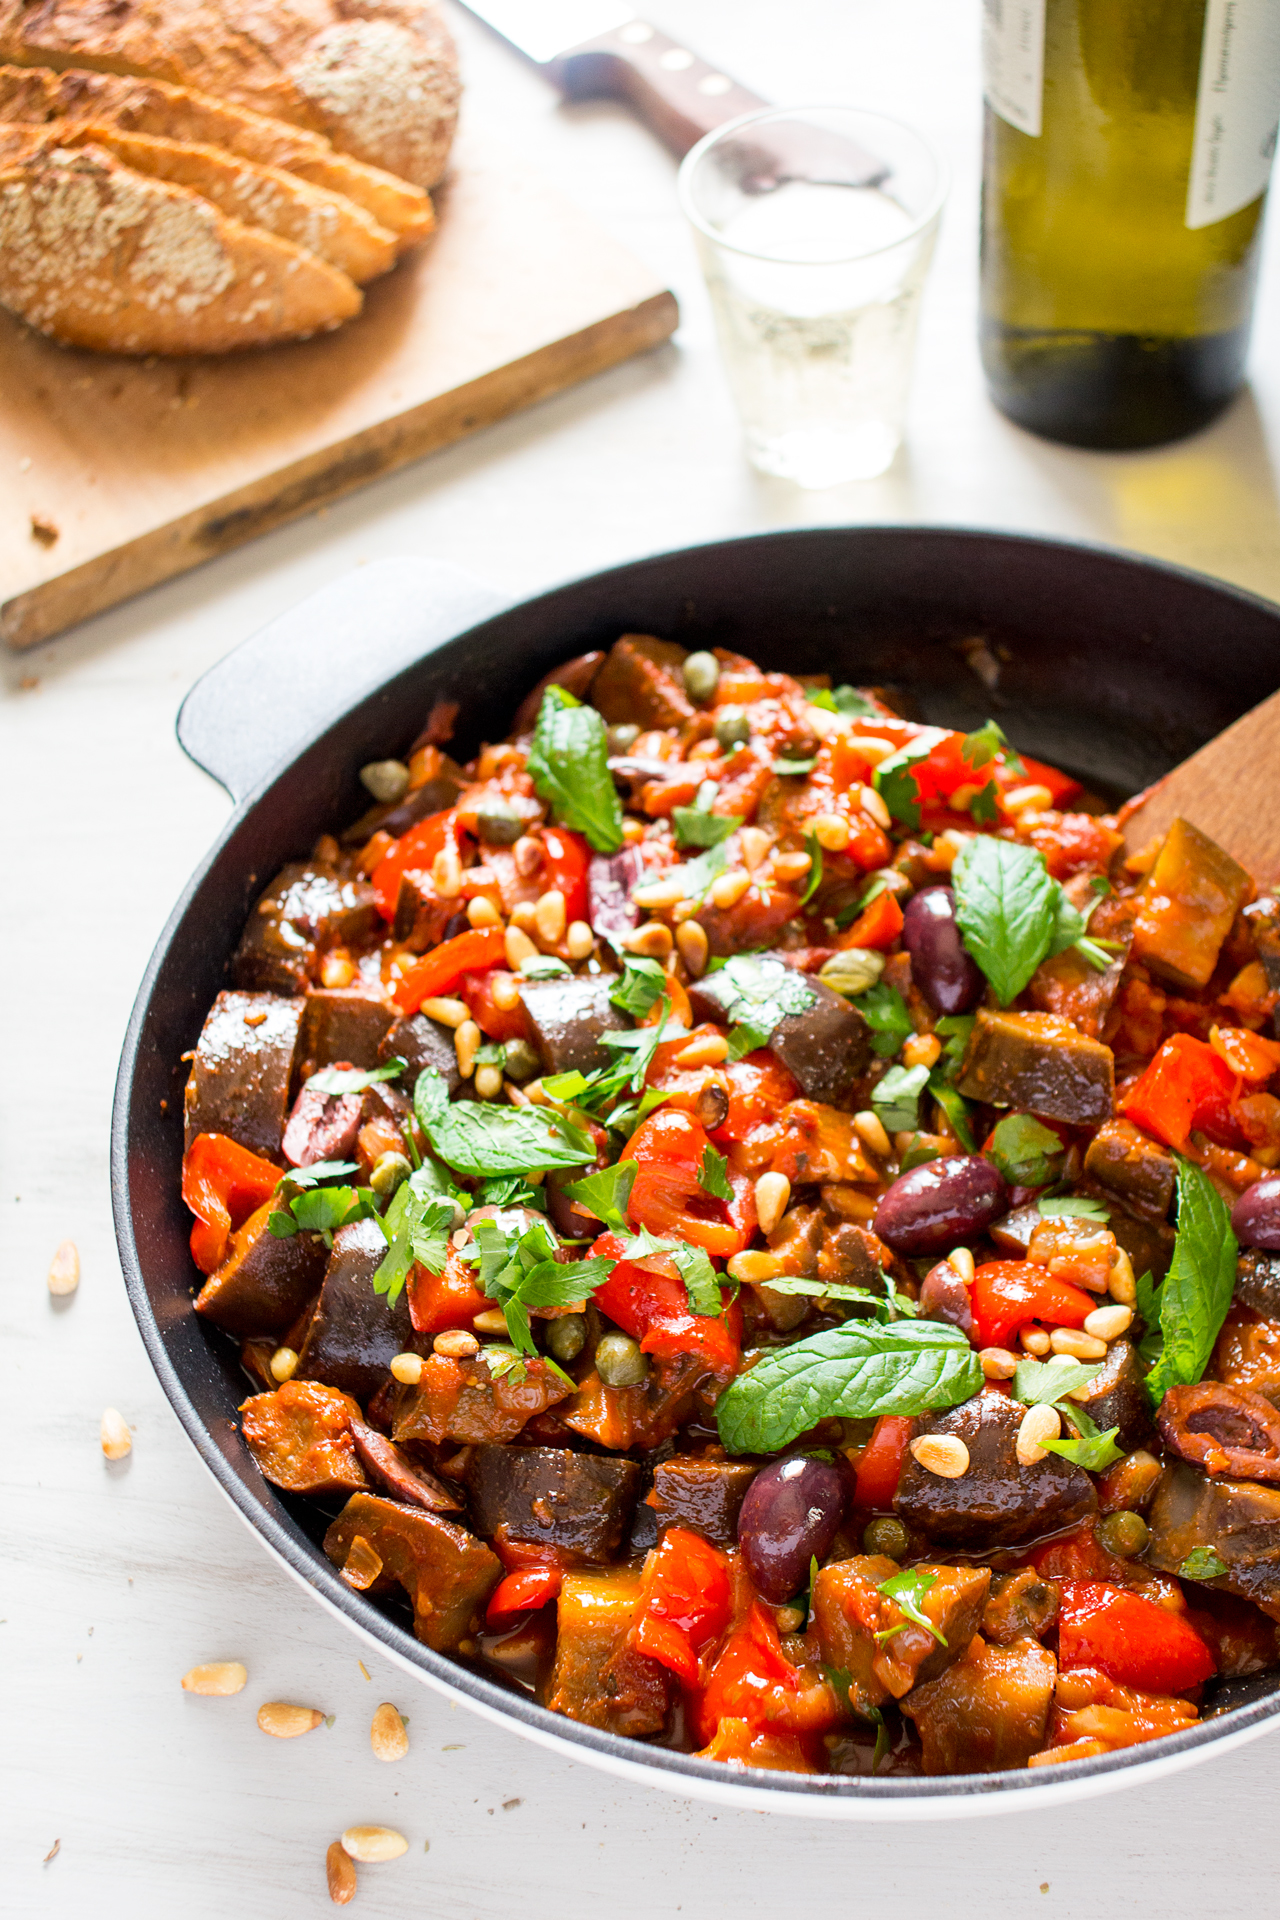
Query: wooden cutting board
{"points": [[116, 474]]}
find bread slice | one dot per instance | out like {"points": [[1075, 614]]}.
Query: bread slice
{"points": [[323, 223], [166, 112], [100, 256], [379, 77]]}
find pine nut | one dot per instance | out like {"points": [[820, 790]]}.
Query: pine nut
{"points": [[1035, 1340], [632, 831], [1080, 1346], [549, 917], [1018, 799], [455, 1344], [368, 1844], [446, 873], [492, 1320], [407, 1369], [872, 804], [285, 1722], [483, 913], [660, 893], [870, 1130], [579, 940], [943, 1454], [922, 1050], [489, 1082], [516, 1095], [340, 1874], [1121, 1284], [691, 939], [387, 1736], [528, 856], [336, 970], [998, 1363], [753, 844], [219, 1677], [283, 1364], [962, 1260], [755, 1267], [466, 1042], [64, 1269], [652, 941], [708, 1050], [790, 867], [830, 831], [525, 916], [1108, 1323], [773, 1191], [450, 1013], [728, 888], [519, 947], [686, 909], [1038, 1425], [505, 990], [117, 1441], [876, 750]]}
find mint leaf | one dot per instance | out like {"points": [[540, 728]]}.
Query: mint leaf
{"points": [[299, 1178], [814, 881], [1095, 1452], [1202, 1563], [1071, 1206], [890, 1305], [909, 1588], [885, 1012], [641, 984], [605, 1194], [713, 1177], [896, 1098], [642, 1043], [1006, 909], [483, 1141], [856, 1371], [697, 826], [896, 783], [1025, 1152], [354, 1079], [701, 1281], [569, 766], [512, 1190], [1043, 1383], [1198, 1287], [543, 966]]}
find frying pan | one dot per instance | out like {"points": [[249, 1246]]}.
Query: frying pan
{"points": [[1112, 667]]}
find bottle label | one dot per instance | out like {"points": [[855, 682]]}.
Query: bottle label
{"points": [[1013, 60], [1237, 108]]}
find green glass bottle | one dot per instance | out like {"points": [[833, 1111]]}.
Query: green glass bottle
{"points": [[1128, 147]]}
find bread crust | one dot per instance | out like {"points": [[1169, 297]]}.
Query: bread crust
{"points": [[100, 256], [378, 77], [165, 111]]}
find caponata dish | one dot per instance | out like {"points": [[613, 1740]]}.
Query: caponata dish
{"points": [[755, 1218]]}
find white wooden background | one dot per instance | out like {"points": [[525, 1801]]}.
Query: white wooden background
{"points": [[117, 1579]]}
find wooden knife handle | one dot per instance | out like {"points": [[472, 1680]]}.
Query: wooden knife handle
{"points": [[668, 84]]}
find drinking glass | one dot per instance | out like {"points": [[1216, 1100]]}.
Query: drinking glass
{"points": [[815, 227]]}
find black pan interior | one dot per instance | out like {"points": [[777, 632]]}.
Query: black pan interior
{"points": [[1109, 666]]}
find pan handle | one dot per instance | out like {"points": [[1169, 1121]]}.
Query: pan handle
{"points": [[252, 711]]}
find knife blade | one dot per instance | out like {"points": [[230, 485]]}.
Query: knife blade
{"points": [[592, 47]]}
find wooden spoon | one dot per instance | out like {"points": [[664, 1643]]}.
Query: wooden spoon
{"points": [[1229, 789]]}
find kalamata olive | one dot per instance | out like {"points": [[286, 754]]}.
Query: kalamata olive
{"points": [[944, 1296], [1255, 1217], [701, 677], [733, 729], [940, 1204], [791, 1513], [946, 975]]}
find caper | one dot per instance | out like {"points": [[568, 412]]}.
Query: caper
{"points": [[701, 677], [622, 736], [619, 1361], [1123, 1534], [520, 1060], [386, 780], [887, 1536], [733, 729], [500, 826], [390, 1170], [566, 1336]]}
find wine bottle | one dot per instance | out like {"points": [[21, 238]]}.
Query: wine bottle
{"points": [[1128, 146]]}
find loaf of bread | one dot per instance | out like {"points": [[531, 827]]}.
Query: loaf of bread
{"points": [[99, 255], [155, 107], [379, 78]]}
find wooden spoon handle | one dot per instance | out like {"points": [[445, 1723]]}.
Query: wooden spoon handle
{"points": [[1230, 789]]}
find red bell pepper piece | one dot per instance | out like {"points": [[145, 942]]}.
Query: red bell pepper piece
{"points": [[495, 1022], [881, 1463], [1008, 1294], [445, 965], [222, 1183], [1186, 1085], [567, 861], [668, 1196], [439, 1301], [876, 927], [650, 1301], [413, 852], [523, 1592], [1131, 1639], [685, 1601], [753, 1680]]}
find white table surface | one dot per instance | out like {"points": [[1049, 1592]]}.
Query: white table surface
{"points": [[117, 1579]]}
